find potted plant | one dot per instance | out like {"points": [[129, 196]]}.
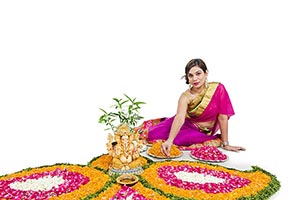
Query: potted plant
{"points": [[126, 111]]}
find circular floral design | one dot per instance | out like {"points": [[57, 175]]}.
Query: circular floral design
{"points": [[214, 181], [217, 182], [42, 185], [53, 182]]}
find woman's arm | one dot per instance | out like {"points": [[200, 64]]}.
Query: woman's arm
{"points": [[223, 121], [176, 125]]}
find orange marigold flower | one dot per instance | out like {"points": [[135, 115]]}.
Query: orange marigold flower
{"points": [[155, 150]]}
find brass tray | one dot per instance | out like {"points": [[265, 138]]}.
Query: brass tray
{"points": [[127, 179]]}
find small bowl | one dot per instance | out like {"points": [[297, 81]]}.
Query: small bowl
{"points": [[127, 179]]}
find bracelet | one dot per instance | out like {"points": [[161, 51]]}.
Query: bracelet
{"points": [[225, 143]]}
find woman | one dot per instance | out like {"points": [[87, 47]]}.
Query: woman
{"points": [[202, 110]]}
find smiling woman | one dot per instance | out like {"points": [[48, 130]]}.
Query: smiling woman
{"points": [[202, 111]]}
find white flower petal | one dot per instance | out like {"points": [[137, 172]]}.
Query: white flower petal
{"points": [[41, 184], [197, 177]]}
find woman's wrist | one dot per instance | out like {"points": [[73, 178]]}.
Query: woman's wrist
{"points": [[225, 143], [170, 140]]}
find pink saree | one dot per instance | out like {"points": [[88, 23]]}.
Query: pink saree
{"points": [[205, 108]]}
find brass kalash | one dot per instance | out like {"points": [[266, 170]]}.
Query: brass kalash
{"points": [[125, 147]]}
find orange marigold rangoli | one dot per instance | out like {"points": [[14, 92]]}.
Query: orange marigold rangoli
{"points": [[166, 179]]}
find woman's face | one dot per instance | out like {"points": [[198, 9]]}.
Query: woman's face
{"points": [[197, 77]]}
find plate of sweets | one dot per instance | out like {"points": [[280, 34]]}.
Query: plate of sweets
{"points": [[155, 151], [208, 154]]}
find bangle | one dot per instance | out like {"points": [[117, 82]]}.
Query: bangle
{"points": [[225, 143]]}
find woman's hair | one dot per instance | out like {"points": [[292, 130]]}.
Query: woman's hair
{"points": [[192, 63]]}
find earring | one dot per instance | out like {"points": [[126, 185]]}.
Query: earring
{"points": [[206, 83]]}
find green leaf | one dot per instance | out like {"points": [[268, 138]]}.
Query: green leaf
{"points": [[139, 102], [126, 110], [103, 110], [116, 99], [124, 101], [128, 98]]}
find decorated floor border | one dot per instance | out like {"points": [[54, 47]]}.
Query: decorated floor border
{"points": [[268, 190], [100, 183]]}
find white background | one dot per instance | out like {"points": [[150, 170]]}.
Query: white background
{"points": [[60, 61]]}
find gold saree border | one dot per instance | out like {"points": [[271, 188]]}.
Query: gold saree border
{"points": [[202, 102]]}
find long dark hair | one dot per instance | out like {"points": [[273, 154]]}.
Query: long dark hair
{"points": [[192, 63]]}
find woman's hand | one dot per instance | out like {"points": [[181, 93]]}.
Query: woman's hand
{"points": [[233, 148], [166, 147]]}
